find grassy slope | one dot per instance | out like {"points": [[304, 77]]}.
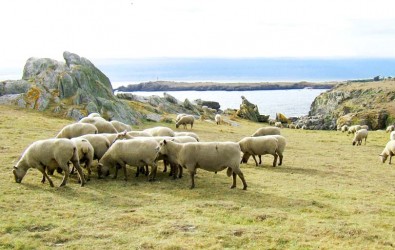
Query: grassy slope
{"points": [[328, 194]]}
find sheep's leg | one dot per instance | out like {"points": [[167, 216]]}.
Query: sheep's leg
{"points": [[123, 165], [77, 166], [116, 171], [192, 174], [275, 160], [165, 167], [152, 174], [256, 163], [138, 171], [42, 168], [65, 167], [390, 159], [234, 180], [180, 170], [88, 164], [241, 176], [280, 156], [260, 159]]}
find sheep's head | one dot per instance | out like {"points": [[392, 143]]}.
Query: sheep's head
{"points": [[102, 170], [245, 158], [177, 125], [161, 149], [19, 173], [383, 158]]}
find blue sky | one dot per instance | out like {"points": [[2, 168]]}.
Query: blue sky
{"points": [[199, 28]]}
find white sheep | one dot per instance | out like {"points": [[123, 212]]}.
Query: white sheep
{"points": [[218, 119], [267, 131], [210, 156], [94, 115], [159, 131], [120, 126], [100, 144], [112, 137], [49, 154], [389, 150], [135, 133], [179, 117], [85, 154], [353, 129], [261, 145], [344, 128], [392, 135], [76, 129], [101, 124], [359, 136], [278, 124], [185, 120], [192, 134], [365, 127], [272, 122], [390, 128], [135, 152]]}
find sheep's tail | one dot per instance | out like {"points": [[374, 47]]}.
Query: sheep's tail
{"points": [[85, 147], [229, 171]]}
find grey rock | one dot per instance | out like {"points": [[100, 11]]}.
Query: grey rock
{"points": [[153, 117]]}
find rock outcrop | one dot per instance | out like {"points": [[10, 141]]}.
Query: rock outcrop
{"points": [[250, 111], [365, 103], [73, 88]]}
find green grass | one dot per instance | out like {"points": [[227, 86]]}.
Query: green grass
{"points": [[327, 195]]}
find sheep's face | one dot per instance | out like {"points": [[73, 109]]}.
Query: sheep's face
{"points": [[102, 170], [18, 174], [161, 149], [245, 158], [383, 158], [177, 125]]}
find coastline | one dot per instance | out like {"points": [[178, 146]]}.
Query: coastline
{"points": [[215, 86]]}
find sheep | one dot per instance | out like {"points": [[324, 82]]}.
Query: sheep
{"points": [[389, 150], [258, 146], [353, 129], [272, 122], [120, 126], [139, 134], [218, 119], [278, 124], [49, 154], [359, 136], [136, 152], [392, 135], [390, 128], [85, 154], [100, 144], [344, 128], [267, 131], [210, 156], [117, 136], [292, 126], [194, 135], [179, 117], [160, 131], [101, 124], [185, 120], [91, 115], [76, 129], [365, 127]]}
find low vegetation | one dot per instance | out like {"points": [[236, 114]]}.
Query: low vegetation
{"points": [[327, 194]]}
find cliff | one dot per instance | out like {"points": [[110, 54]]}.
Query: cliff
{"points": [[371, 103], [210, 86]]}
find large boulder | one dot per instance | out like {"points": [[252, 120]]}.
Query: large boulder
{"points": [[250, 111], [74, 88]]}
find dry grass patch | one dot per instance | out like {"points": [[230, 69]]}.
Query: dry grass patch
{"points": [[328, 194]]}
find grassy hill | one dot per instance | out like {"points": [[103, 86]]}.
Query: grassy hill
{"points": [[327, 195]]}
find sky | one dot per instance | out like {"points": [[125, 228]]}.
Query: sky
{"points": [[109, 29]]}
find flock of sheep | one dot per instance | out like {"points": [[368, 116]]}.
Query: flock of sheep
{"points": [[94, 138]]}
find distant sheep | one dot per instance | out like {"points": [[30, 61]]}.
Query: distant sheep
{"points": [[390, 128], [365, 127], [267, 131], [135, 133], [85, 154], [185, 120], [278, 124], [160, 131], [353, 129], [136, 152], [392, 135], [210, 156], [292, 126], [100, 144], [272, 122], [194, 135], [101, 124], [120, 126], [359, 136], [261, 145], [218, 119], [344, 128], [77, 129], [389, 150], [49, 154], [179, 117], [91, 115]]}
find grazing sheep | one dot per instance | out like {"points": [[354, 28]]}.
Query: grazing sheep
{"points": [[101, 124], [136, 152], [261, 145], [267, 131], [304, 127], [85, 154], [344, 128], [210, 156], [139, 134], [159, 131], [76, 129], [281, 143], [100, 144], [120, 126], [389, 150], [359, 136], [272, 122], [185, 120], [390, 128], [179, 117], [353, 129], [365, 127], [49, 154], [392, 135], [218, 119], [278, 124], [194, 135], [292, 126]]}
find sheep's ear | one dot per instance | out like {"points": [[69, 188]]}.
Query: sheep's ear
{"points": [[164, 142], [124, 132]]}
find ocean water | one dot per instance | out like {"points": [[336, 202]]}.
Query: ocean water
{"points": [[293, 102]]}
